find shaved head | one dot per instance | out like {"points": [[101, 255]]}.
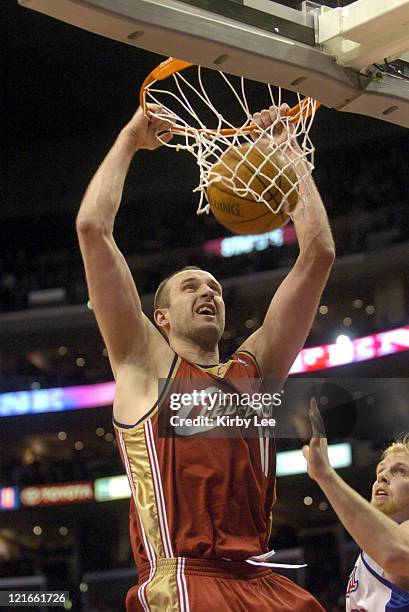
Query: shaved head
{"points": [[162, 295]]}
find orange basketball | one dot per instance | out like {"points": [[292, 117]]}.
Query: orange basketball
{"points": [[244, 215]]}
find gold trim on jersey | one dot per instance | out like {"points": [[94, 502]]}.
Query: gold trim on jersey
{"points": [[219, 370], [144, 497], [162, 591]]}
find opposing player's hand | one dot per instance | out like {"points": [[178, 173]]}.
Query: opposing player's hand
{"points": [[316, 453], [144, 130]]}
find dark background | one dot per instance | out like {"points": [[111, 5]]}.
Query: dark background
{"points": [[66, 93]]}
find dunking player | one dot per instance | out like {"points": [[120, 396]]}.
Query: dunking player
{"points": [[201, 508], [380, 579]]}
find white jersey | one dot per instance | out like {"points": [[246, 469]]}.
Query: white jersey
{"points": [[369, 591]]}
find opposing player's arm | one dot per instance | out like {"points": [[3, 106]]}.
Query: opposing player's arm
{"points": [[404, 560], [293, 308], [113, 294], [386, 542]]}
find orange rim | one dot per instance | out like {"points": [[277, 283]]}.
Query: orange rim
{"points": [[171, 66]]}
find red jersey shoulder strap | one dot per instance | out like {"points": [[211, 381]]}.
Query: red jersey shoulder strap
{"points": [[249, 360]]}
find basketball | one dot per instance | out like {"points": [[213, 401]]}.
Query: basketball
{"points": [[249, 166]]}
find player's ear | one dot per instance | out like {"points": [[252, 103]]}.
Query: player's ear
{"points": [[160, 317]]}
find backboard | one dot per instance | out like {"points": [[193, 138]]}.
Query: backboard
{"points": [[338, 52]]}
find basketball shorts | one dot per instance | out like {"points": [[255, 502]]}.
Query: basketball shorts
{"points": [[197, 585]]}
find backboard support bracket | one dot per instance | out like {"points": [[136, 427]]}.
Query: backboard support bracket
{"points": [[365, 32]]}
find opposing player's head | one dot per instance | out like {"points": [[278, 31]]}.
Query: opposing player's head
{"points": [[189, 305], [390, 491]]}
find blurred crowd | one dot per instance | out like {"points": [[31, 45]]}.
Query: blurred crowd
{"points": [[43, 471], [366, 203]]}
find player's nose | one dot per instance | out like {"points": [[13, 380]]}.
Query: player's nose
{"points": [[207, 291], [383, 477]]}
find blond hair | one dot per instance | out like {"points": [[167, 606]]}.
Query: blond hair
{"points": [[401, 445]]}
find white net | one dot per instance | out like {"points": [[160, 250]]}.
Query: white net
{"points": [[262, 163]]}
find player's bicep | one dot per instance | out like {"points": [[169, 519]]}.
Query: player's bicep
{"points": [[114, 298]]}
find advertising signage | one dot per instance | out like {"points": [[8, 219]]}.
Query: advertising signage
{"points": [[57, 494]]}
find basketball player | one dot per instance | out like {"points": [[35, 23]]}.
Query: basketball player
{"points": [[201, 507], [380, 579]]}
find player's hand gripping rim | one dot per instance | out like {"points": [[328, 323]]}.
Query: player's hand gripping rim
{"points": [[152, 130], [275, 127]]}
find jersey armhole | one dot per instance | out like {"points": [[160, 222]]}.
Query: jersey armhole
{"points": [[384, 581], [169, 378], [254, 360]]}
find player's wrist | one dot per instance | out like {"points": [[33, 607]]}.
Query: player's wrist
{"points": [[131, 138], [326, 475]]}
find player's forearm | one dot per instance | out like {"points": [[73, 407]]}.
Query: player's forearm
{"points": [[103, 196], [312, 226], [378, 535]]}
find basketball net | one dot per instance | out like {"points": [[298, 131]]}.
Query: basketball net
{"points": [[188, 106]]}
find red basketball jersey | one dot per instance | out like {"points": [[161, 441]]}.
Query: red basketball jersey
{"points": [[198, 497]]}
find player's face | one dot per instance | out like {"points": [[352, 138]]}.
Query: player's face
{"points": [[196, 306], [390, 492]]}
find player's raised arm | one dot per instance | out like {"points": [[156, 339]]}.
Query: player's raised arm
{"points": [[374, 526], [293, 307], [114, 298]]}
